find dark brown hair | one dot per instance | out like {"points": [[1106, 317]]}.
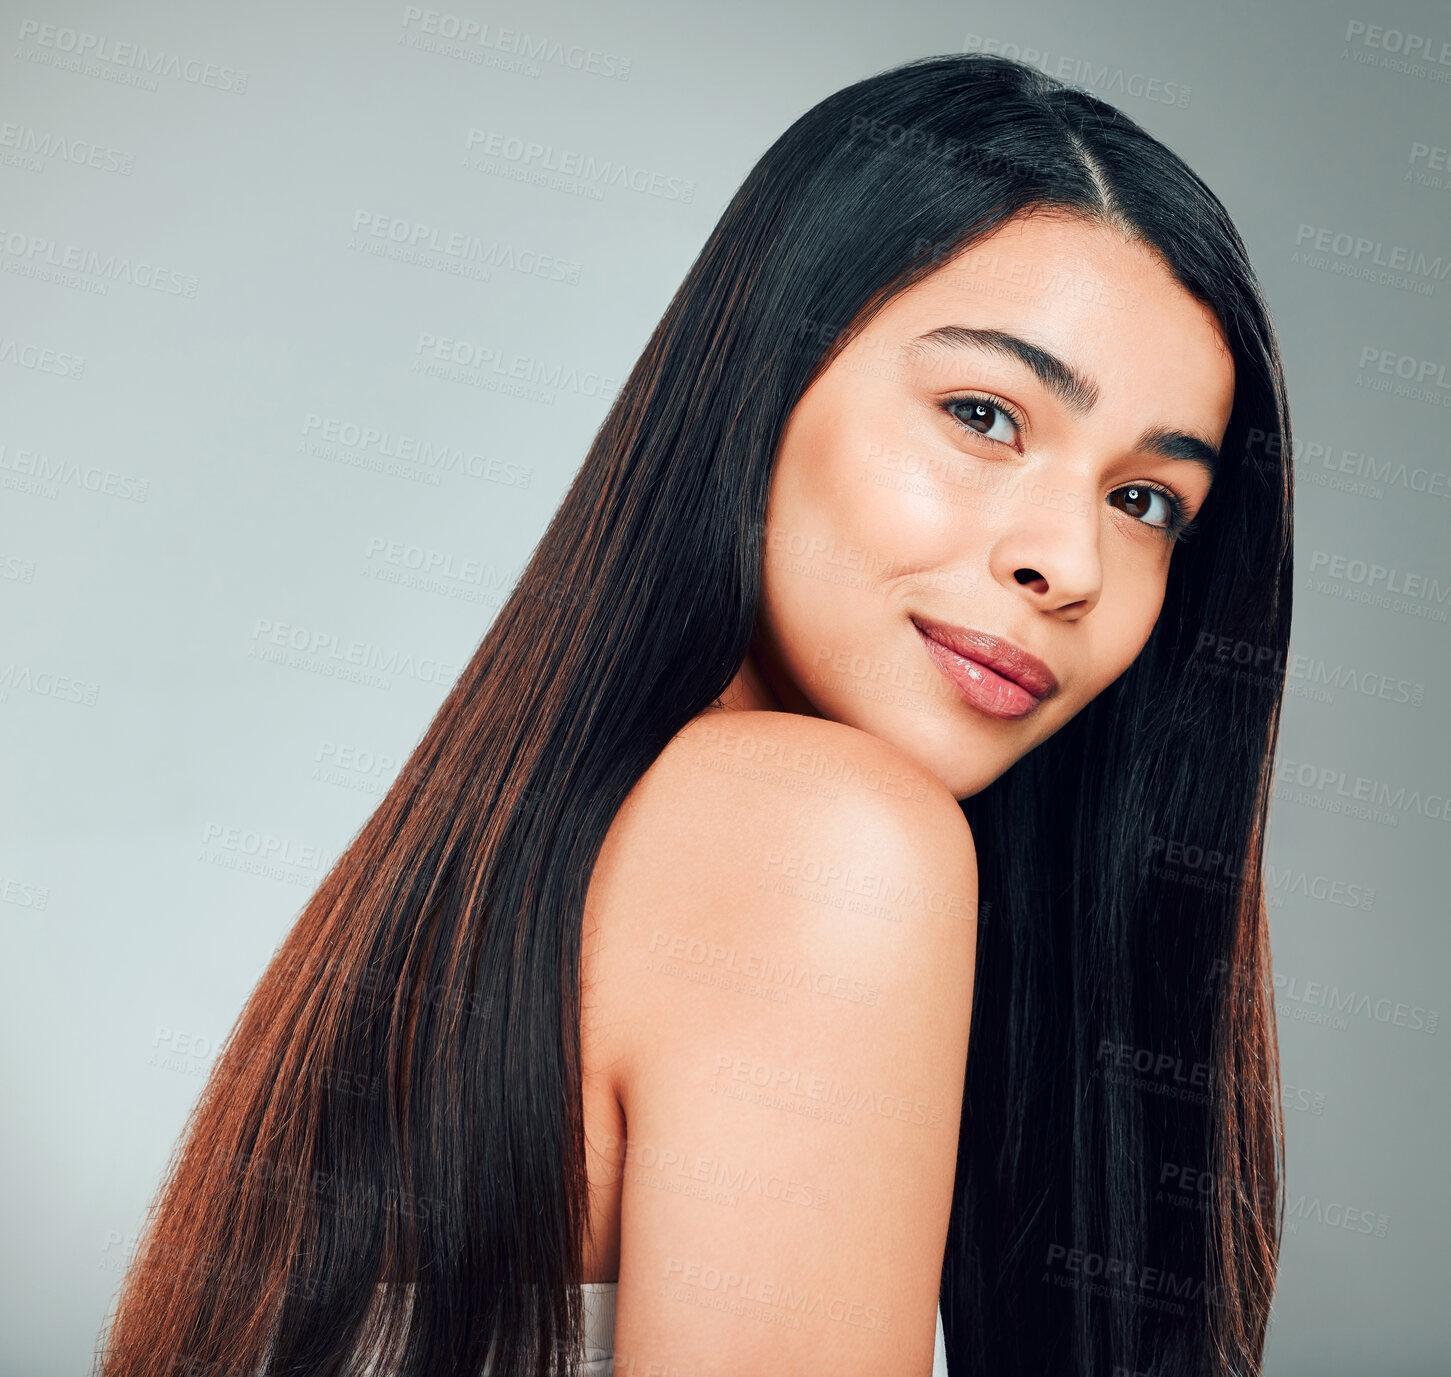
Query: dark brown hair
{"points": [[400, 1100]]}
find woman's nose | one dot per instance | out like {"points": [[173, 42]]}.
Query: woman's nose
{"points": [[1050, 550]]}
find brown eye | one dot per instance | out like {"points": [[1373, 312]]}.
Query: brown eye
{"points": [[984, 418], [980, 416], [1140, 502]]}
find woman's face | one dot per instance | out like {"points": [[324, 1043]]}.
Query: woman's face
{"points": [[974, 507]]}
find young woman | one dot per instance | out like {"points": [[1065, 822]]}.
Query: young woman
{"points": [[864, 690]]}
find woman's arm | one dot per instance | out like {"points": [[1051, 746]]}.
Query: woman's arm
{"points": [[786, 940]]}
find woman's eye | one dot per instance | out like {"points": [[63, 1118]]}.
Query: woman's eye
{"points": [[1149, 505], [985, 418]]}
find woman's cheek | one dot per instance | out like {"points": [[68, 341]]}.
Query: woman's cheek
{"points": [[1128, 608], [916, 505]]}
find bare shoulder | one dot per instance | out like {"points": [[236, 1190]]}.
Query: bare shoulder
{"points": [[763, 824], [782, 929], [738, 773]]}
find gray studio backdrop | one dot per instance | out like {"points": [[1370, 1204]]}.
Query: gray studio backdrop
{"points": [[308, 313]]}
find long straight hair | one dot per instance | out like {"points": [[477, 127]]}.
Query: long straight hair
{"points": [[400, 1100]]}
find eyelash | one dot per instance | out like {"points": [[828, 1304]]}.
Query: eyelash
{"points": [[1178, 525]]}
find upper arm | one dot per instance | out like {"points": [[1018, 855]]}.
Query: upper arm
{"points": [[792, 976]]}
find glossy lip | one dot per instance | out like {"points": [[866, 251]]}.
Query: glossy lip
{"points": [[992, 653]]}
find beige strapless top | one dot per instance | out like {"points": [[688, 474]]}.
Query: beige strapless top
{"points": [[599, 1327], [599, 1334]]}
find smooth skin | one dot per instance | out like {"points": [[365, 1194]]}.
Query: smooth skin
{"points": [[780, 930], [884, 503]]}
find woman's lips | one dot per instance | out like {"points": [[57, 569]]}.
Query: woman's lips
{"points": [[994, 675]]}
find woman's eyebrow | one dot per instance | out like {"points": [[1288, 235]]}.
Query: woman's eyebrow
{"points": [[1078, 392], [1175, 444]]}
